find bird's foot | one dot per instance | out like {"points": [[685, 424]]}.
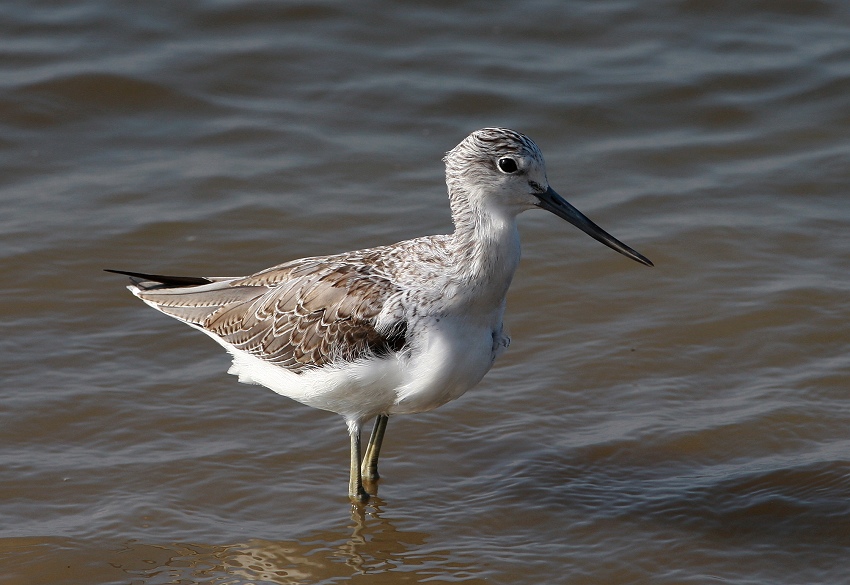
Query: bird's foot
{"points": [[361, 496]]}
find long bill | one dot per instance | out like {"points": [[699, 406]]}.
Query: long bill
{"points": [[551, 201]]}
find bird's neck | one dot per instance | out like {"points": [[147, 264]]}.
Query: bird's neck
{"points": [[486, 248]]}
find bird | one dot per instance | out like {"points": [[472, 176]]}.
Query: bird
{"points": [[388, 330]]}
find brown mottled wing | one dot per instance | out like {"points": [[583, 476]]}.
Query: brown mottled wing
{"points": [[298, 315]]}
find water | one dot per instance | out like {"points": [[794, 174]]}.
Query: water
{"points": [[688, 423]]}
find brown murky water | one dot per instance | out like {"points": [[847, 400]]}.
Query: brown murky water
{"points": [[683, 424]]}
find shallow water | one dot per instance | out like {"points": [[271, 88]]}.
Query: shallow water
{"points": [[681, 424]]}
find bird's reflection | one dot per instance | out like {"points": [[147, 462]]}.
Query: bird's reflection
{"points": [[375, 543], [369, 544]]}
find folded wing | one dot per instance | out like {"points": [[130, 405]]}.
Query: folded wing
{"points": [[299, 315]]}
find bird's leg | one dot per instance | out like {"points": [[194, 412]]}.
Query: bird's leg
{"points": [[355, 482], [369, 470]]}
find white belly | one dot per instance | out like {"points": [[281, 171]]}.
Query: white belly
{"points": [[446, 358], [449, 358]]}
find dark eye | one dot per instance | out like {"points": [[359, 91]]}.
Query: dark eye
{"points": [[507, 165]]}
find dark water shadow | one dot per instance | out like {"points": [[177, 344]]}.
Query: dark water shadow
{"points": [[779, 502]]}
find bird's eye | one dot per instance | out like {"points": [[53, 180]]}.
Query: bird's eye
{"points": [[507, 165]]}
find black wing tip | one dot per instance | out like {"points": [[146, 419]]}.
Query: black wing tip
{"points": [[161, 279]]}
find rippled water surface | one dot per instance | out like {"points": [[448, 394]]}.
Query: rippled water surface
{"points": [[688, 423]]}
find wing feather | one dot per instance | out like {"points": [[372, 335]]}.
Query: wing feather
{"points": [[298, 315]]}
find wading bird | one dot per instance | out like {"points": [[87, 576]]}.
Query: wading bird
{"points": [[396, 329]]}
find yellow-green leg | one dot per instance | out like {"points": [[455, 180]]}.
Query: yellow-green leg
{"points": [[355, 482], [369, 469]]}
